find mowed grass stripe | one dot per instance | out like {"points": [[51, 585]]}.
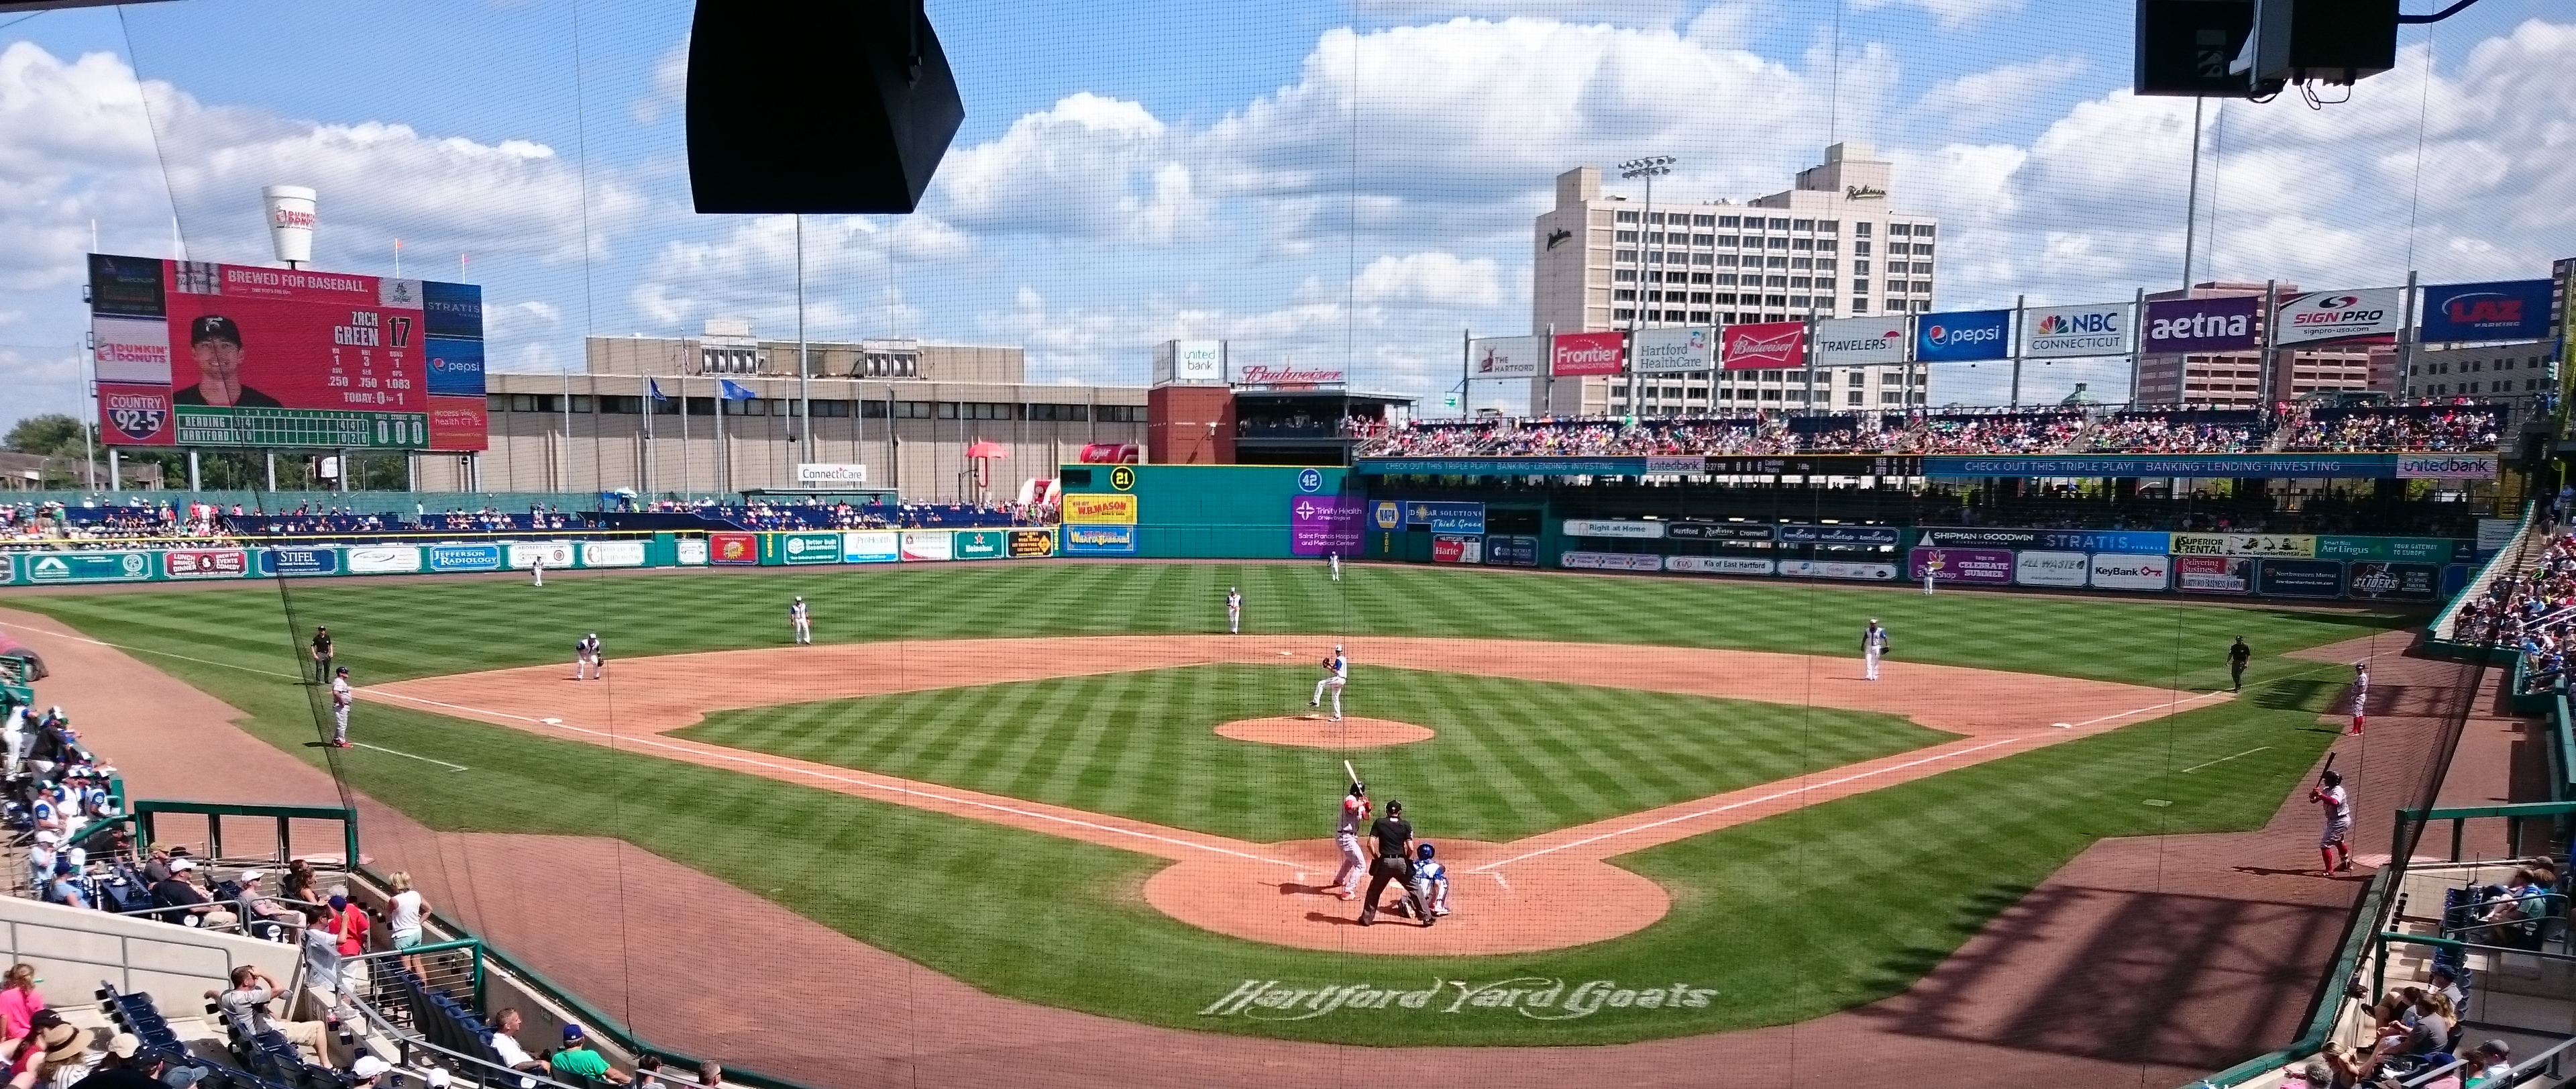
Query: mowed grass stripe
{"points": [[1157, 727]]}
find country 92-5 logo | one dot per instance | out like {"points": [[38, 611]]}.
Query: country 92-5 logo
{"points": [[138, 416]]}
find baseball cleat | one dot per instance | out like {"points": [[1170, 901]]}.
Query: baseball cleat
{"points": [[1312, 704]]}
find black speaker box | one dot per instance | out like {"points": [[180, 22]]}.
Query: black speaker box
{"points": [[825, 107]]}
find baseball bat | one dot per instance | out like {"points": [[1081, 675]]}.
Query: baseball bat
{"points": [[2330, 759], [1346, 770]]}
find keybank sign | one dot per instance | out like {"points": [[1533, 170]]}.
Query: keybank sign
{"points": [[1539, 998]]}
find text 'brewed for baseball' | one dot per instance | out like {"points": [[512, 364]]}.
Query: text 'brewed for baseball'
{"points": [[1535, 997]]}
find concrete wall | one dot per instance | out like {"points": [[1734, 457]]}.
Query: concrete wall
{"points": [[75, 948]]}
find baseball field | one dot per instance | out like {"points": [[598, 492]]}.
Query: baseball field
{"points": [[1669, 807]]}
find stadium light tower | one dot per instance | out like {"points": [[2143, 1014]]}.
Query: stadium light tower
{"points": [[1649, 168]]}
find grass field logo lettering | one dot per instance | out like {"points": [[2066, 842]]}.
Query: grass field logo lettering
{"points": [[1537, 997]]}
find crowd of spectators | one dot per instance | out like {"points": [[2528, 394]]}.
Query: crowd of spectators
{"points": [[815, 514], [55, 525], [2453, 428], [2179, 433], [2000, 433]]}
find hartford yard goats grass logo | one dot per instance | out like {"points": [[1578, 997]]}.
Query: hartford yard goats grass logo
{"points": [[1536, 997]]}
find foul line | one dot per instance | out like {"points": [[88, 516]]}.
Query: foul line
{"points": [[415, 756], [148, 650], [2166, 706], [2222, 760], [906, 791], [1791, 792]]}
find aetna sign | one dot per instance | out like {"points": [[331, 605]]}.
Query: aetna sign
{"points": [[2202, 325]]}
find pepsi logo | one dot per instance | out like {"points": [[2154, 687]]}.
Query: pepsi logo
{"points": [[1939, 334]]}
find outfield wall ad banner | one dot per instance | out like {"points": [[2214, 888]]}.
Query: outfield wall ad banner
{"points": [[2203, 325], [692, 551], [1575, 354], [1099, 540], [802, 548], [1333, 524], [1718, 565], [2037, 568], [1760, 346], [1836, 569], [463, 557], [980, 544], [2495, 310], [43, 567], [1511, 551], [299, 562], [1963, 336], [2214, 574], [1446, 548], [1610, 561], [2285, 545], [1446, 517], [2322, 316], [2062, 540], [205, 563], [1868, 536], [262, 357], [1985, 566], [1730, 532], [871, 546], [2446, 466], [2432, 550], [733, 549], [556, 554], [1503, 357], [2300, 578], [386, 559], [2376, 581], [1030, 544], [928, 546], [612, 553], [1625, 530], [2204, 466], [1854, 341], [2056, 332], [1669, 351], [1099, 509], [2111, 571]]}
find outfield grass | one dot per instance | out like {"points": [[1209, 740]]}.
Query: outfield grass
{"points": [[1512, 757], [1785, 919]]}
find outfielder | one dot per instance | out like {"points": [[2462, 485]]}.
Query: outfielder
{"points": [[1873, 642], [586, 661], [340, 698], [801, 620], [1346, 838], [2332, 845], [1931, 572], [1233, 611], [1335, 558], [2360, 696], [537, 572], [1338, 674]]}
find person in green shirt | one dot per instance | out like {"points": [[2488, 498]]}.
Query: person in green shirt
{"points": [[577, 1058]]}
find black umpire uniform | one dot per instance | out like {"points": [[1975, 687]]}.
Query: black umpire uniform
{"points": [[1394, 862]]}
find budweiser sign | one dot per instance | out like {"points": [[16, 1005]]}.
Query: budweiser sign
{"points": [[1773, 345], [1285, 374]]}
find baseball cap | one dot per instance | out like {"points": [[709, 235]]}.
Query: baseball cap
{"points": [[124, 1044], [369, 1066], [214, 327], [182, 866], [181, 1077], [572, 1032]]}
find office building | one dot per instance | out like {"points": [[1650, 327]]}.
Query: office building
{"points": [[1830, 246]]}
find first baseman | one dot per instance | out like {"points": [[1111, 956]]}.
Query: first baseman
{"points": [[1873, 642], [801, 620], [1337, 674], [1346, 837], [2331, 844], [1233, 611], [2360, 696], [340, 698], [586, 661]]}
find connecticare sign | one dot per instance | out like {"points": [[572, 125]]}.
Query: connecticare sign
{"points": [[1539, 998]]}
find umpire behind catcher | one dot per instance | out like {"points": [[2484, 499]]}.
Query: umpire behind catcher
{"points": [[1394, 862]]}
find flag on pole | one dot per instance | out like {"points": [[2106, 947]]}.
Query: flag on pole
{"points": [[732, 391], [656, 388]]}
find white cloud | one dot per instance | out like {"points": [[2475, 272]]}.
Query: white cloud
{"points": [[1088, 166], [670, 90], [1951, 14], [751, 272], [1995, 96], [1438, 278], [1629, 13]]}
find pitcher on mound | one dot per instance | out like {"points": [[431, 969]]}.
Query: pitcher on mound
{"points": [[1338, 673]]}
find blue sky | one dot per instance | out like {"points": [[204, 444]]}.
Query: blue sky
{"points": [[1142, 171]]}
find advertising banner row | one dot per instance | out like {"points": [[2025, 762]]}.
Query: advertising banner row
{"points": [[2077, 466], [721, 549], [2507, 310], [2363, 580]]}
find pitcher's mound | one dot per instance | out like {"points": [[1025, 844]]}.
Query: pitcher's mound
{"points": [[1319, 732]]}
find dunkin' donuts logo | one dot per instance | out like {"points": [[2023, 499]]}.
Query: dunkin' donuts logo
{"points": [[138, 416], [1539, 998]]}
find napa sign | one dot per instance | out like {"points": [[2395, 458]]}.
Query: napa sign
{"points": [[1539, 998]]}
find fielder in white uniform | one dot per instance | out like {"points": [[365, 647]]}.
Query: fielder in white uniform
{"points": [[2360, 697], [1931, 572], [340, 698], [1873, 642], [586, 662], [1338, 674], [537, 572], [1335, 558], [1233, 611], [1346, 838], [802, 620]]}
